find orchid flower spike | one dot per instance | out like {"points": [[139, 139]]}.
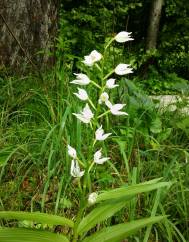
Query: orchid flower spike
{"points": [[86, 115], [93, 57], [82, 94], [110, 83], [99, 134], [98, 158], [72, 152], [115, 109], [123, 69], [75, 169], [81, 79], [123, 36]]}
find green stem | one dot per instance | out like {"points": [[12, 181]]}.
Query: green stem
{"points": [[109, 74], [109, 43], [78, 219], [95, 84], [100, 116], [91, 166], [81, 163], [91, 103], [98, 67]]}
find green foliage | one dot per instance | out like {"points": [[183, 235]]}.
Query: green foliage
{"points": [[102, 212], [118, 232], [37, 217], [37, 124], [18, 234]]}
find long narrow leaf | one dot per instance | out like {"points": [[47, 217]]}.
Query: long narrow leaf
{"points": [[99, 214], [119, 232], [27, 235], [37, 217], [130, 190]]}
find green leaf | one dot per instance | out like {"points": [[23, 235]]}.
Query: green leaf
{"points": [[37, 217], [27, 235], [99, 214], [124, 192], [156, 126], [119, 232]]}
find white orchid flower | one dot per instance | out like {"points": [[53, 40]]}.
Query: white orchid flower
{"points": [[72, 152], [93, 57], [88, 61], [99, 134], [96, 56], [86, 115], [75, 169], [104, 97], [82, 94], [123, 69], [123, 36], [110, 83], [92, 198], [98, 158], [115, 109], [81, 79]]}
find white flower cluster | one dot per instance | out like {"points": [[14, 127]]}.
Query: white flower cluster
{"points": [[86, 115]]}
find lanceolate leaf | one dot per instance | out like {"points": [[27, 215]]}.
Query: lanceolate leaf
{"points": [[27, 235], [123, 192], [37, 217], [99, 214], [119, 232]]}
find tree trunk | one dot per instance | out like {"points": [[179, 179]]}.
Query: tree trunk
{"points": [[26, 27], [154, 24]]}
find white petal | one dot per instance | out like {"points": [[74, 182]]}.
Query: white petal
{"points": [[86, 115], [72, 152], [103, 97], [115, 109], [110, 83], [97, 156], [88, 61], [82, 94], [82, 118], [100, 134], [119, 113], [118, 106], [108, 104], [81, 79], [105, 136], [81, 76], [95, 55], [101, 161], [75, 169], [98, 159], [123, 69], [123, 36]]}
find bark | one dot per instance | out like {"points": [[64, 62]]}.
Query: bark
{"points": [[154, 24], [26, 27]]}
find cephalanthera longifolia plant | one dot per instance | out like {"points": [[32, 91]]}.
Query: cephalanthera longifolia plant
{"points": [[101, 205]]}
